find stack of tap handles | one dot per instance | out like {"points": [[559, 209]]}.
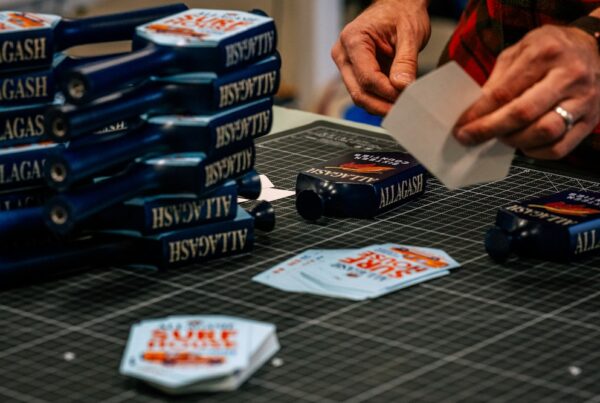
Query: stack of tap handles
{"points": [[135, 158]]}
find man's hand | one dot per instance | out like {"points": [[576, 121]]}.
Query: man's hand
{"points": [[551, 66], [377, 52]]}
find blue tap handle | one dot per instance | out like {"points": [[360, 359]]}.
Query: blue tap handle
{"points": [[63, 169], [64, 212], [31, 265], [153, 56], [22, 223], [66, 122], [181, 173], [94, 78], [106, 28]]}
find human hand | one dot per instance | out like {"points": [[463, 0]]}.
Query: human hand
{"points": [[550, 67], [377, 52]]}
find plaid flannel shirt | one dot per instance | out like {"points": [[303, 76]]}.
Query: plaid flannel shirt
{"points": [[486, 27]]}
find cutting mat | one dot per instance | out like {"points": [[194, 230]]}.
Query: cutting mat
{"points": [[526, 331]]}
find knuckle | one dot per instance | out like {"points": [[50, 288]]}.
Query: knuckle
{"points": [[353, 41], [579, 71], [506, 54], [500, 96], [365, 82], [548, 131], [522, 115], [543, 50], [357, 97], [361, 99], [346, 35], [551, 49]]}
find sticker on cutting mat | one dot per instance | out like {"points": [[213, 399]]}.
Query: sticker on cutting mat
{"points": [[285, 276], [181, 350], [429, 257], [381, 268], [199, 25], [20, 21], [361, 291]]}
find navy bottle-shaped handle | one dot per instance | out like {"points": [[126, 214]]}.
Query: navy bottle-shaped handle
{"points": [[264, 216], [92, 80], [311, 204], [67, 122], [64, 212], [22, 223], [20, 267], [249, 185], [72, 165], [500, 243], [107, 28]]}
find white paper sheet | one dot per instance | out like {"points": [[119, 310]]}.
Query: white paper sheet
{"points": [[421, 121]]}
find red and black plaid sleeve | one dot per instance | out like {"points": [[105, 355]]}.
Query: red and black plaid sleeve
{"points": [[486, 27]]}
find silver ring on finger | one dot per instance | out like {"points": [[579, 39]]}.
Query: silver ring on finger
{"points": [[566, 116]]}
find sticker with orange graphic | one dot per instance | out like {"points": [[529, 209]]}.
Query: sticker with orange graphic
{"points": [[183, 354], [368, 168], [171, 30], [26, 20], [417, 256], [162, 357], [20, 21], [560, 207], [200, 25]]}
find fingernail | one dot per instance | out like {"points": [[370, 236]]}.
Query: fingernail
{"points": [[404, 78]]}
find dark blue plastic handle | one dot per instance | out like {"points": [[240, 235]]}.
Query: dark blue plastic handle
{"points": [[67, 122], [249, 185], [87, 82], [63, 169], [41, 263], [106, 28], [22, 223], [64, 212]]}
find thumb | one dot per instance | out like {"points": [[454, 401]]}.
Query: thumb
{"points": [[404, 67]]}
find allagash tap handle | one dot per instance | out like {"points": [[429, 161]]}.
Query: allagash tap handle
{"points": [[63, 170], [194, 40], [178, 173], [211, 134], [166, 250], [42, 262], [108, 28], [185, 94], [29, 40], [561, 227], [39, 86], [147, 215], [154, 214]]}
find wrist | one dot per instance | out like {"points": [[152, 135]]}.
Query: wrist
{"points": [[590, 24], [424, 3]]}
